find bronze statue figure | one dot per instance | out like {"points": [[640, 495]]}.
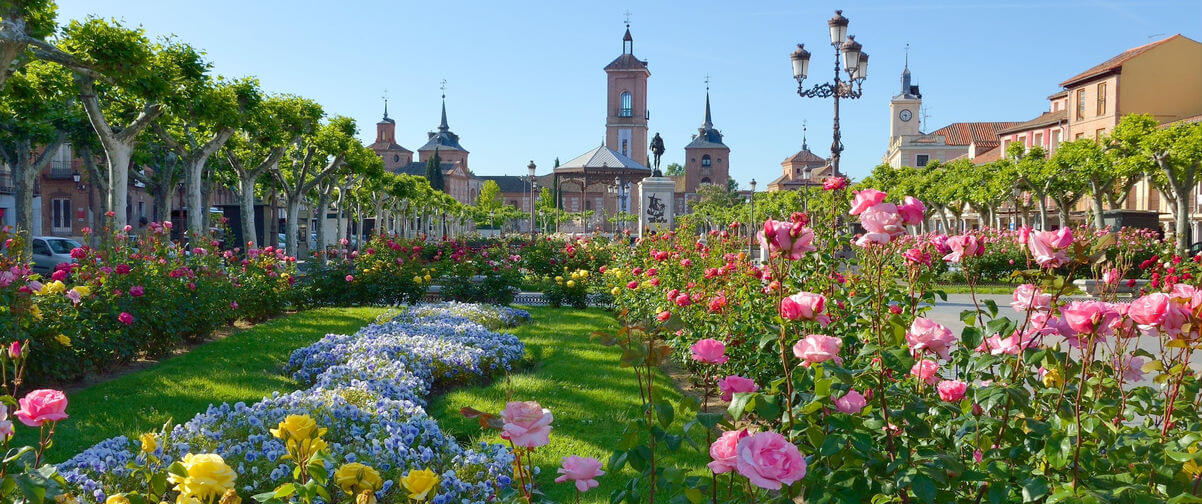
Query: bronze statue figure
{"points": [[657, 148]]}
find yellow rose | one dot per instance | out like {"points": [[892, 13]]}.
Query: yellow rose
{"points": [[417, 279], [66, 499], [63, 340], [558, 279], [355, 478], [615, 291], [575, 275], [150, 442], [1193, 469], [427, 278], [117, 499], [583, 274], [297, 427], [571, 283], [37, 312], [230, 497], [82, 290], [365, 497], [419, 483], [207, 476], [1052, 378], [55, 287]]}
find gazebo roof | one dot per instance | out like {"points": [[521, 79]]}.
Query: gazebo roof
{"points": [[601, 158]]}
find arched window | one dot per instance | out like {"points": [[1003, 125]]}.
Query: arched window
{"points": [[396, 158], [627, 109], [705, 180], [705, 160]]}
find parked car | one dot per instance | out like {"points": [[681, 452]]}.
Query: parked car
{"points": [[51, 251]]}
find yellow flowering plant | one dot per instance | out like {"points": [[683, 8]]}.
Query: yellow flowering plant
{"points": [[420, 483], [149, 473], [302, 438]]}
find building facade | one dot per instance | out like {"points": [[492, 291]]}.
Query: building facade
{"points": [[626, 103], [458, 180]]}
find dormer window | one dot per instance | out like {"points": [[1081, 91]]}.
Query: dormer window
{"points": [[627, 109]]}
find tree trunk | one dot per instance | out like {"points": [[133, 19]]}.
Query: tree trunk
{"points": [[1095, 200], [1062, 211], [118, 147], [246, 201], [1182, 218], [291, 228], [198, 207], [1043, 213], [319, 218]]}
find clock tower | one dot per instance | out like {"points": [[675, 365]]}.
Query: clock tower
{"points": [[903, 109]]}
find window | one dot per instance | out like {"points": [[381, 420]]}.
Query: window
{"points": [[1078, 136], [625, 147], [627, 109], [1055, 138], [705, 180], [1022, 140], [921, 160], [588, 205], [396, 158], [40, 248], [705, 160], [1097, 134], [1101, 98], [1080, 104], [1038, 139], [60, 216], [141, 210]]}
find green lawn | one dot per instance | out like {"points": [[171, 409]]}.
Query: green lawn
{"points": [[582, 384], [246, 366]]}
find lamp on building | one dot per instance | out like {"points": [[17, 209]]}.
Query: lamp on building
{"points": [[849, 57], [75, 177], [531, 167]]}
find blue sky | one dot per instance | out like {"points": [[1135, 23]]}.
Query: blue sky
{"points": [[525, 80]]}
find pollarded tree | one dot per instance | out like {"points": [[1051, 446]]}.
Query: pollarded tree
{"points": [[1106, 181], [24, 23], [139, 76], [1064, 186], [673, 170], [317, 155], [1175, 152], [1034, 175], [36, 108], [259, 144], [201, 118], [488, 203]]}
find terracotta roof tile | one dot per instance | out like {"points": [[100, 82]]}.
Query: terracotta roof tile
{"points": [[627, 61], [1044, 119], [984, 134], [805, 157], [1116, 62]]}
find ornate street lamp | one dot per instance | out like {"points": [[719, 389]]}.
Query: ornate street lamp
{"points": [[849, 57], [531, 167]]}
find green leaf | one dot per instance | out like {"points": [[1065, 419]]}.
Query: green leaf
{"points": [[1034, 489], [738, 403], [284, 490], [665, 413], [924, 488], [709, 420], [617, 461]]}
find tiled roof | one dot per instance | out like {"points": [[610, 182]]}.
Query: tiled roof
{"points": [[627, 61], [984, 134], [1194, 119], [509, 183], [418, 168], [387, 146], [1115, 63], [805, 157], [601, 157], [1044, 119], [988, 156], [1058, 94], [707, 139], [442, 140]]}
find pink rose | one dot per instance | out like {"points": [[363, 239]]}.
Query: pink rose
{"points": [[818, 348], [41, 406], [916, 255], [1149, 310], [1029, 297], [126, 318], [882, 219], [912, 211], [865, 199], [769, 460], [962, 246], [663, 316], [804, 306], [1047, 247], [527, 424], [791, 239], [869, 239], [709, 351], [1011, 345], [927, 335], [137, 291], [14, 352], [851, 402], [582, 470], [926, 370], [1130, 366], [834, 183], [1089, 316], [350, 278], [734, 384], [951, 390], [725, 451], [1111, 276]]}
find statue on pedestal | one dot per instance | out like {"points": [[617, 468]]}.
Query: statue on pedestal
{"points": [[657, 149]]}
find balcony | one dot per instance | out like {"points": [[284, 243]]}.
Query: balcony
{"points": [[6, 183], [625, 112]]}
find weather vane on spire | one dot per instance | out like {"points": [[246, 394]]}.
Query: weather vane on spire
{"points": [[907, 55], [803, 136], [627, 14], [443, 87], [707, 83], [385, 103]]}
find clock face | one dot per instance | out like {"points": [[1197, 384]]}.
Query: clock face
{"points": [[905, 115]]}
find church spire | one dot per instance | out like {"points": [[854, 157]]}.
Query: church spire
{"points": [[804, 147], [443, 125], [627, 40]]}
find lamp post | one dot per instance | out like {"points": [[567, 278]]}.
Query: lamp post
{"points": [[854, 61], [751, 223], [620, 190], [531, 168]]}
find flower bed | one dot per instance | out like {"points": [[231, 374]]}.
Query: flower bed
{"points": [[368, 389]]}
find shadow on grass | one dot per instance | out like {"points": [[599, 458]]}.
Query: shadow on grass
{"points": [[581, 382], [246, 366]]}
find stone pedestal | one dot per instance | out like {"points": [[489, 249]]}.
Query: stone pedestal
{"points": [[657, 195]]}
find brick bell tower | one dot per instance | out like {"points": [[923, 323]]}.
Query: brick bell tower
{"points": [[626, 112]]}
